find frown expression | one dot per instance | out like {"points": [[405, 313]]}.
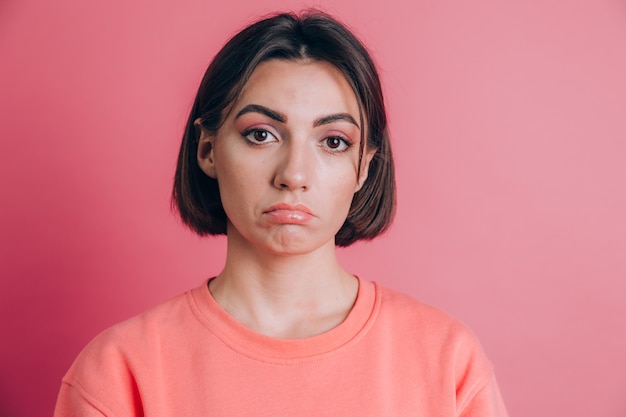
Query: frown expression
{"points": [[286, 157]]}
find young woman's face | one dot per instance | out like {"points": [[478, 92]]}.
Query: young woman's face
{"points": [[286, 158]]}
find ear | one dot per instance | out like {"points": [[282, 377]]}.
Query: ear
{"points": [[368, 154], [206, 159]]}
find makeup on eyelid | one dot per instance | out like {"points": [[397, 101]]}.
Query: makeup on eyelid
{"points": [[264, 134]]}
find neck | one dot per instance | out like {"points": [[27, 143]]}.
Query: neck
{"points": [[284, 296]]}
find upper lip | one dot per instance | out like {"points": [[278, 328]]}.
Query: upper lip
{"points": [[291, 207]]}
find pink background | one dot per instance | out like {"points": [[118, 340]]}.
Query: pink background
{"points": [[509, 126]]}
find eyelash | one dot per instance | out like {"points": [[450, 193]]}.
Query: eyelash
{"points": [[344, 145], [251, 141], [345, 142]]}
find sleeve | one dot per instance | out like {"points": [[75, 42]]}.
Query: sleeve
{"points": [[72, 402], [100, 382], [487, 402], [477, 392]]}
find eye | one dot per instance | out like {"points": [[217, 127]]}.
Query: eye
{"points": [[336, 143], [257, 136]]}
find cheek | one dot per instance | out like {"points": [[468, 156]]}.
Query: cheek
{"points": [[342, 174], [341, 186], [236, 183], [231, 165]]}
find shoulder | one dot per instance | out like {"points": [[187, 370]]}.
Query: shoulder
{"points": [[111, 351], [405, 310], [430, 330], [437, 344], [154, 322], [106, 373]]}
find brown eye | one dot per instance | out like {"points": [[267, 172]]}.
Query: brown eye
{"points": [[336, 144], [258, 136], [333, 142]]}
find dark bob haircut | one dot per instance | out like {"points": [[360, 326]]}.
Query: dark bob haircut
{"points": [[311, 36]]}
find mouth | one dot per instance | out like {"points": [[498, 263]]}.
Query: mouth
{"points": [[283, 213]]}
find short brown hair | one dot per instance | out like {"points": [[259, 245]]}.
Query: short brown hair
{"points": [[314, 36]]}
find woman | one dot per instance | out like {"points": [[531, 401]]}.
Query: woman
{"points": [[286, 152]]}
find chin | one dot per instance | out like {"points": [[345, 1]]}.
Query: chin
{"points": [[290, 245]]}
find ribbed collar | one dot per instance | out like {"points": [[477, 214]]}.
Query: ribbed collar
{"points": [[268, 349]]}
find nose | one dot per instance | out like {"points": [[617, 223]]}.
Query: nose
{"points": [[294, 170]]}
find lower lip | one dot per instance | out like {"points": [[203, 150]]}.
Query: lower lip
{"points": [[289, 216]]}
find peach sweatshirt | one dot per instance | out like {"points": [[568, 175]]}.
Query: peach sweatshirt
{"points": [[392, 356]]}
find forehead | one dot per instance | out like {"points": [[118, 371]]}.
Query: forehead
{"points": [[316, 87]]}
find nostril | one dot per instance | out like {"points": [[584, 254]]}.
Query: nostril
{"points": [[285, 186]]}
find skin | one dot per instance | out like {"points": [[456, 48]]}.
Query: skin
{"points": [[286, 161]]}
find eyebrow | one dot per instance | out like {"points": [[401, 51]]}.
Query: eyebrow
{"points": [[256, 108], [335, 117], [279, 117]]}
